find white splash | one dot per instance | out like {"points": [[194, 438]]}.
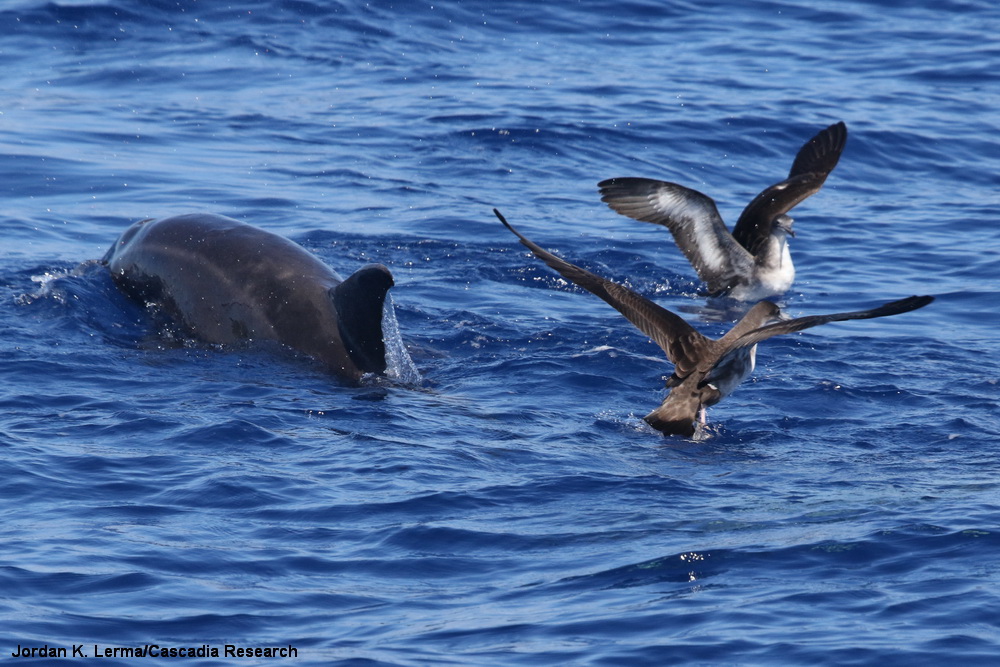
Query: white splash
{"points": [[398, 364], [47, 288]]}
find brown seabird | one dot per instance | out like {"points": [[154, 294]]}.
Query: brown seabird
{"points": [[753, 262], [705, 370]]}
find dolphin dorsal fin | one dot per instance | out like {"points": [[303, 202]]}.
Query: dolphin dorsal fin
{"points": [[359, 301]]}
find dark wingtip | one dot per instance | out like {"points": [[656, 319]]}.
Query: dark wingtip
{"points": [[911, 303], [899, 307], [624, 186], [607, 189], [502, 219], [821, 153], [519, 235], [836, 132], [631, 196]]}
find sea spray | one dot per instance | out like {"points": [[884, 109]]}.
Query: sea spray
{"points": [[399, 365]]}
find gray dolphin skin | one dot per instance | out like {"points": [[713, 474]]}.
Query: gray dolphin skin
{"points": [[754, 261], [223, 281], [705, 370]]}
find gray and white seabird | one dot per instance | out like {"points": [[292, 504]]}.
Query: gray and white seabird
{"points": [[705, 370], [754, 261]]}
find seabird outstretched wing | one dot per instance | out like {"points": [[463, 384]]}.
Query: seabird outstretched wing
{"points": [[809, 321], [821, 153], [736, 344], [813, 163], [691, 217], [679, 340]]}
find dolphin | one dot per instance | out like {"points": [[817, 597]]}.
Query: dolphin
{"points": [[223, 281]]}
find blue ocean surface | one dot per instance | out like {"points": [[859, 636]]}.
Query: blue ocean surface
{"points": [[506, 505]]}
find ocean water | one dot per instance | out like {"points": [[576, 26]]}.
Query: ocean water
{"points": [[508, 506]]}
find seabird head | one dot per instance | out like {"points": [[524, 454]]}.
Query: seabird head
{"points": [[784, 223], [761, 314]]}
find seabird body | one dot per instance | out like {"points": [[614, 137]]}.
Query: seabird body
{"points": [[753, 262], [705, 370]]}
